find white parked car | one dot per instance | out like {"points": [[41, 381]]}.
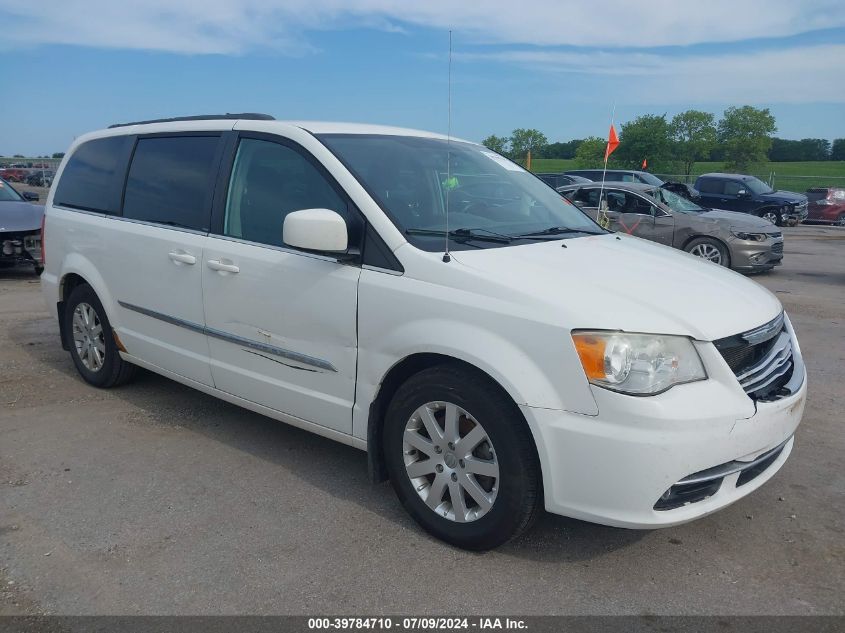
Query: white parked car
{"points": [[299, 270]]}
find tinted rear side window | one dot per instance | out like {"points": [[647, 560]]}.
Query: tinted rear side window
{"points": [[171, 180], [709, 185], [93, 176]]}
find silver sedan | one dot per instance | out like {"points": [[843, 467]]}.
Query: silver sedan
{"points": [[736, 240]]}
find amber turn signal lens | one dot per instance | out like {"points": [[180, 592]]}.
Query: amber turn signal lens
{"points": [[591, 352]]}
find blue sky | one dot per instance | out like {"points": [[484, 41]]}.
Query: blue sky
{"points": [[558, 67]]}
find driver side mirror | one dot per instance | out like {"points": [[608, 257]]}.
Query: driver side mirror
{"points": [[742, 193], [316, 230]]}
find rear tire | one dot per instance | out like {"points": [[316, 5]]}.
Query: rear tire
{"points": [[91, 341], [474, 483], [709, 249]]}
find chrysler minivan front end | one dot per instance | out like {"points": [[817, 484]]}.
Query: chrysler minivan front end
{"points": [[648, 461]]}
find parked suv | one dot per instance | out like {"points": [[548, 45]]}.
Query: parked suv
{"points": [[726, 238], [492, 348], [747, 194], [827, 204]]}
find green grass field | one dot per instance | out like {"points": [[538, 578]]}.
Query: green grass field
{"points": [[796, 176]]}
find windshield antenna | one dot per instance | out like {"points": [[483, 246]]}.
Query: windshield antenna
{"points": [[446, 257]]}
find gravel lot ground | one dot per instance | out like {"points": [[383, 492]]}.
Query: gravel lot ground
{"points": [[156, 499]]}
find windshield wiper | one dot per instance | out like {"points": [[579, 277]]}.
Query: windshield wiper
{"points": [[556, 230], [465, 234]]}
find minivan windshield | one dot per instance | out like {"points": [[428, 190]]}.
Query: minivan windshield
{"points": [[7, 194], [492, 202]]}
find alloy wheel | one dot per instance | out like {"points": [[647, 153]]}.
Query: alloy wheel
{"points": [[771, 216], [708, 252], [450, 461], [88, 338]]}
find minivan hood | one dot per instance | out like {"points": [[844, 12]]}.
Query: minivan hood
{"points": [[734, 219], [618, 282], [18, 216]]}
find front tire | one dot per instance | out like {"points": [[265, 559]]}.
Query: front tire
{"points": [[461, 458], [773, 216], [709, 249], [91, 341]]}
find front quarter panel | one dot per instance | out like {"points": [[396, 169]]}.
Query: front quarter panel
{"points": [[532, 359]]}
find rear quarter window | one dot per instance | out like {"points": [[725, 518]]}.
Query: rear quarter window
{"points": [[93, 176]]}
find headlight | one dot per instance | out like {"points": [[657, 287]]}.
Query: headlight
{"points": [[751, 237], [637, 364]]}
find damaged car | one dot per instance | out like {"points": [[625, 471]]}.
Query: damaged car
{"points": [[20, 229], [739, 241]]}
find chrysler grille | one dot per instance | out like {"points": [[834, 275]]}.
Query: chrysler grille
{"points": [[762, 359]]}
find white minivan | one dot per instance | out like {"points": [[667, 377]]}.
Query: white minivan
{"points": [[424, 299]]}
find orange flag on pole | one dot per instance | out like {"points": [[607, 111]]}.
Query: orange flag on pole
{"points": [[645, 164], [612, 142]]}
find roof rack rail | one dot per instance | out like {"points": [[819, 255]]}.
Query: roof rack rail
{"points": [[252, 116]]}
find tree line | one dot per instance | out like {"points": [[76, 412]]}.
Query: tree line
{"points": [[742, 137]]}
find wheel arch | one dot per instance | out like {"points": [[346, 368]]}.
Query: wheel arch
{"points": [[393, 379], [77, 271], [67, 283], [724, 244], [698, 236]]}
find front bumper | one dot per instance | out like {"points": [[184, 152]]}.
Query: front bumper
{"points": [[751, 256], [614, 468], [23, 246]]}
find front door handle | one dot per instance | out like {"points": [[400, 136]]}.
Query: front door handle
{"points": [[222, 267], [182, 257]]}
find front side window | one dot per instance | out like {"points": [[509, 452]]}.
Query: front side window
{"points": [[732, 187], [93, 175], [270, 180], [757, 186], [415, 180], [170, 181]]}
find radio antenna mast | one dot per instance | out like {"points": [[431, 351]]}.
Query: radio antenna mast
{"points": [[446, 257]]}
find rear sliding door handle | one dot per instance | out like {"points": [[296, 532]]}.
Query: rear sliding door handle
{"points": [[181, 257], [219, 266]]}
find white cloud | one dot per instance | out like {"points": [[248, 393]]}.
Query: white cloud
{"points": [[590, 34], [232, 27], [796, 75]]}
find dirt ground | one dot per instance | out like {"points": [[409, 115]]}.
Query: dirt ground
{"points": [[156, 499]]}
